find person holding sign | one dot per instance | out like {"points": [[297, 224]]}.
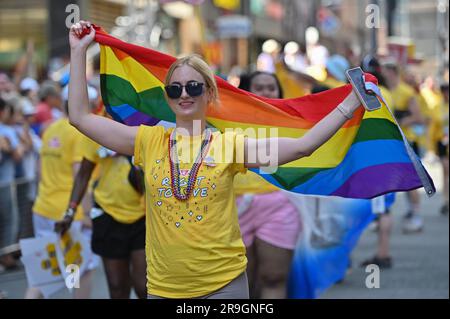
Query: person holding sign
{"points": [[117, 217], [59, 163]]}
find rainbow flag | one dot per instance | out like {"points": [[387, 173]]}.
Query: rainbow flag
{"points": [[366, 158]]}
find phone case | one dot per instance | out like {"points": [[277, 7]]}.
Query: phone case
{"points": [[368, 100]]}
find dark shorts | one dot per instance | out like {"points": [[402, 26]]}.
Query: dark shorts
{"points": [[442, 149], [112, 239]]}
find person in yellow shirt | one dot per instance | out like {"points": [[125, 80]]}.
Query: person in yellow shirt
{"points": [[59, 160], [118, 217], [431, 93], [407, 113], [439, 134], [269, 222], [194, 247], [420, 130], [433, 96]]}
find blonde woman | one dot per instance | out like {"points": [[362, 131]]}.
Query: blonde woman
{"points": [[193, 242]]}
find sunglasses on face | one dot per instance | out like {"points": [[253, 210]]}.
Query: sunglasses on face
{"points": [[193, 89]]}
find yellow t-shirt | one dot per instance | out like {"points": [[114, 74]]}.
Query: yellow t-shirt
{"points": [[423, 105], [114, 193], [436, 107], [432, 97], [439, 124], [193, 247], [58, 154], [422, 137], [401, 96]]}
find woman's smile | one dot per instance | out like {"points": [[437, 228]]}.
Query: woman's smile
{"points": [[185, 105]]}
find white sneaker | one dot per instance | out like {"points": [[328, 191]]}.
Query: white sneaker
{"points": [[414, 224]]}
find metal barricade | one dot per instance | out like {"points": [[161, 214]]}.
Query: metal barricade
{"points": [[16, 221]]}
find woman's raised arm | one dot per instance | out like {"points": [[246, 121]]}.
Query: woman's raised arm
{"points": [[290, 149], [111, 134]]}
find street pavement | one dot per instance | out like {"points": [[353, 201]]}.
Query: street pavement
{"points": [[420, 261]]}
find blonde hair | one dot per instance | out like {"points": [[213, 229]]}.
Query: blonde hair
{"points": [[199, 65]]}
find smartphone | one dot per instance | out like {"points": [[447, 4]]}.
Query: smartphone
{"points": [[369, 100]]}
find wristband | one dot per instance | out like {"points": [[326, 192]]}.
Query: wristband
{"points": [[345, 112], [70, 213]]}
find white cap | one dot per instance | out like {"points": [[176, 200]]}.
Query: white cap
{"points": [[29, 84], [92, 93], [270, 46], [291, 47], [312, 35]]}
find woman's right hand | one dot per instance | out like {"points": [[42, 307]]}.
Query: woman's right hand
{"points": [[76, 30]]}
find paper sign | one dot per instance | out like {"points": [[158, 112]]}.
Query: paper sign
{"points": [[46, 259]]}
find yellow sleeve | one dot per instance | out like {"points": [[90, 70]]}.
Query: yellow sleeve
{"points": [[147, 136], [238, 142], [409, 92], [423, 105], [75, 155], [89, 149]]}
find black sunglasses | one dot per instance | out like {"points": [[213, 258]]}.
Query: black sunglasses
{"points": [[193, 89]]}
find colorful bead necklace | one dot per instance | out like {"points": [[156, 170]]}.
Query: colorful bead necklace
{"points": [[175, 165]]}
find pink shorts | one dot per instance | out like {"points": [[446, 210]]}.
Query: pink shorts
{"points": [[272, 218]]}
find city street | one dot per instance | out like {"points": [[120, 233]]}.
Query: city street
{"points": [[420, 261]]}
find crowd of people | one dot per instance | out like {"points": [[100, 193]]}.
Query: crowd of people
{"points": [[73, 181]]}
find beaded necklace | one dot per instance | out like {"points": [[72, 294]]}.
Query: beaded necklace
{"points": [[175, 166]]}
